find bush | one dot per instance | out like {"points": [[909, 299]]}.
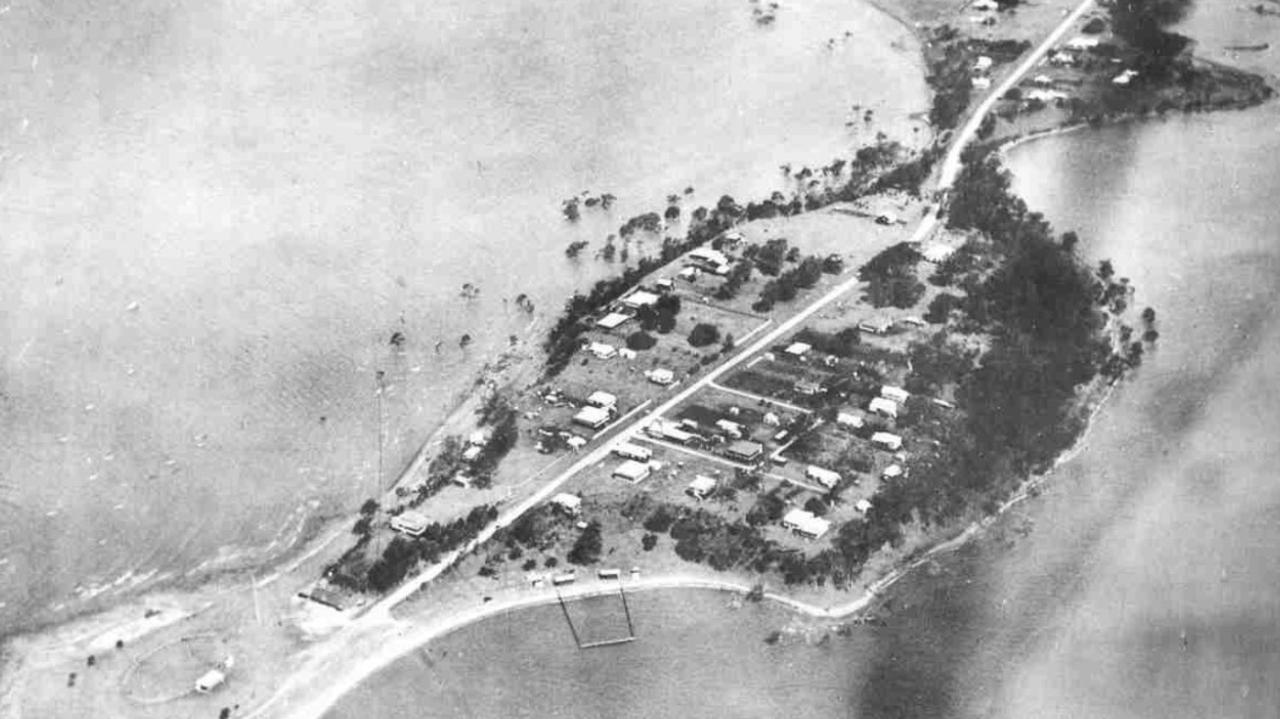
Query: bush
{"points": [[641, 340], [704, 334], [649, 541], [816, 507], [660, 521], [1094, 26]]}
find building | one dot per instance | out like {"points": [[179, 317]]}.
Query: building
{"points": [[1082, 43], [670, 431], [937, 253], [1042, 81], [410, 522], [885, 440], [798, 349], [1046, 96], [772, 420], [665, 284], [805, 524], [602, 350], [897, 394], [863, 506], [609, 573], [210, 680], [638, 299], [1062, 59], [461, 480], [847, 419], [893, 471], [470, 454], [701, 487], [612, 320], [626, 353], [478, 438], [570, 504], [729, 427], [627, 450], [807, 387], [875, 327], [593, 417], [982, 82], [564, 578], [689, 274], [1124, 78], [882, 406], [632, 471], [575, 442], [825, 477], [985, 5], [711, 260], [660, 376], [604, 400], [982, 64], [744, 451]]}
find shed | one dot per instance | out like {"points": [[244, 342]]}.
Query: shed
{"points": [[982, 82], [805, 523], [985, 5], [210, 680], [612, 320], [745, 451], [602, 350], [660, 376], [689, 274], [410, 522], [729, 427], [471, 453], [569, 503], [609, 573], [632, 471], [886, 440], [478, 437], [825, 477], [701, 487], [937, 253], [665, 284], [862, 506], [882, 406], [1082, 43], [1042, 81], [593, 417], [626, 353], [897, 394], [893, 471], [603, 400], [983, 63], [847, 419], [564, 578]]}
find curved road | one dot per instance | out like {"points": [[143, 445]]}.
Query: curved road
{"points": [[308, 687]]}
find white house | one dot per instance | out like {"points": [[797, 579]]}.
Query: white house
{"points": [[689, 274], [729, 427], [886, 440], [701, 487], [1082, 43], [897, 394], [612, 320], [626, 353], [602, 350], [825, 477], [798, 349], [985, 5], [882, 406], [410, 522], [660, 376], [936, 253], [893, 471], [639, 298], [982, 82], [850, 420], [772, 420], [1046, 96], [862, 506], [471, 453], [1062, 59], [805, 523], [1124, 78], [627, 450], [982, 64], [569, 503], [602, 399], [1042, 81], [575, 442], [632, 471], [210, 680], [593, 417]]}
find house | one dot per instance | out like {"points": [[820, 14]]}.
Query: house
{"points": [[593, 417], [1082, 43], [1042, 81], [471, 453], [701, 487], [729, 427], [733, 239], [744, 451], [609, 573], [1062, 59], [893, 471], [850, 420], [1124, 78], [882, 406], [862, 506], [914, 321], [772, 420], [210, 680], [805, 524], [602, 350], [825, 477], [875, 327], [410, 522], [1046, 96], [897, 394], [660, 376], [711, 260], [689, 274], [612, 320], [639, 298], [982, 64], [478, 438], [570, 504], [626, 450], [575, 442], [564, 578], [626, 353], [603, 400], [798, 349], [936, 253], [807, 387], [982, 82], [891, 442], [985, 5], [664, 284], [461, 480], [632, 471]]}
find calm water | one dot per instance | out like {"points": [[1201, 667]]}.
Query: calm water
{"points": [[215, 214], [1147, 586]]}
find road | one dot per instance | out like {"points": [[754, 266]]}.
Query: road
{"points": [[380, 613]]}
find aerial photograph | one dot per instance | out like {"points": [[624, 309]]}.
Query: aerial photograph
{"points": [[602, 358]]}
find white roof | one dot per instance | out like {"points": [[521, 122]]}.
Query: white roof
{"points": [[602, 399], [806, 523], [849, 420], [689, 272], [1042, 80], [981, 83], [702, 484], [863, 506], [798, 348], [611, 320], [479, 437], [825, 477], [576, 441], [409, 522], [632, 470], [639, 298], [1124, 77], [707, 254], [983, 63], [892, 471], [601, 349], [985, 5], [592, 415], [884, 406], [210, 679], [566, 500], [627, 448], [626, 353], [1046, 95], [660, 375], [1082, 43], [472, 452], [728, 425], [935, 252], [897, 394], [771, 419], [887, 439]]}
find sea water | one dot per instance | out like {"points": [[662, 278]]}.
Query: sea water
{"points": [[213, 216]]}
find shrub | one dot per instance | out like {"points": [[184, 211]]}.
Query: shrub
{"points": [[704, 334], [641, 340]]}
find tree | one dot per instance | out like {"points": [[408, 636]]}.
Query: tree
{"points": [[1142, 24], [586, 550], [816, 507], [641, 340], [649, 541], [704, 334]]}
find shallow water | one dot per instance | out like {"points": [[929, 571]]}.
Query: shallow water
{"points": [[215, 214]]}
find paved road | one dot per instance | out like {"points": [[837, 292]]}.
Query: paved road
{"points": [[380, 612]]}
